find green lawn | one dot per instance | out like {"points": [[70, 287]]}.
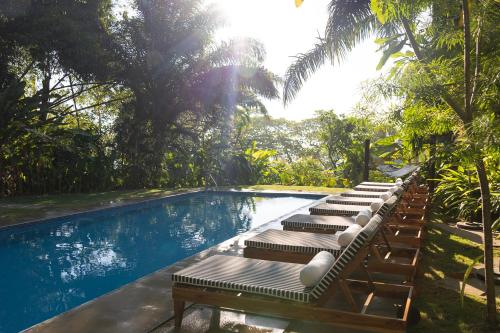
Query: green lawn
{"points": [[447, 255], [327, 190], [27, 208], [35, 207]]}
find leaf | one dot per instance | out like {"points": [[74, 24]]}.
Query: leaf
{"points": [[379, 8], [298, 3], [466, 277], [392, 49]]}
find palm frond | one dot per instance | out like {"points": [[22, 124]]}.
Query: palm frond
{"points": [[302, 68], [237, 51], [349, 22]]}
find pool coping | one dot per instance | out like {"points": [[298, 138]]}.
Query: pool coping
{"points": [[68, 321]]}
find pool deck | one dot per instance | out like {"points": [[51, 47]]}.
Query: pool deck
{"points": [[145, 305]]}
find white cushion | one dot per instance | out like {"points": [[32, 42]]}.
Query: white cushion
{"points": [[385, 195], [399, 180], [375, 206], [363, 217], [367, 211], [313, 271], [346, 236], [393, 189]]}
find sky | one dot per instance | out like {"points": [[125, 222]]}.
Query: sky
{"points": [[286, 31]]}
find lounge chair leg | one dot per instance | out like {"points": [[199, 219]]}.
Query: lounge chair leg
{"points": [[348, 295], [178, 312]]}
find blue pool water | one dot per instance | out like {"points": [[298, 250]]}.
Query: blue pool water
{"points": [[54, 266]]}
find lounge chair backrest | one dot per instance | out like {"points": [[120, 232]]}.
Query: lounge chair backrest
{"points": [[399, 192], [361, 239], [388, 206], [372, 227]]}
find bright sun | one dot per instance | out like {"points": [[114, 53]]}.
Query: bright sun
{"points": [[243, 17]]}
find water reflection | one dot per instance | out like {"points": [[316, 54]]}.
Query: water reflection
{"points": [[50, 268]]}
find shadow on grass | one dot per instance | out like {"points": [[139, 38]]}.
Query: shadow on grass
{"points": [[447, 256]]}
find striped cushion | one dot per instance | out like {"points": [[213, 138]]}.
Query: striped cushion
{"points": [[293, 241], [351, 201], [360, 194], [262, 277], [377, 184], [304, 221], [335, 209], [370, 188]]}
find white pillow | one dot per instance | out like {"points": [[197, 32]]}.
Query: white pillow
{"points": [[385, 196], [362, 218], [346, 236], [399, 180], [375, 206], [314, 271], [366, 211], [393, 189]]}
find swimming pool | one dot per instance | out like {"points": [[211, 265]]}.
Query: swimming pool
{"points": [[48, 268]]}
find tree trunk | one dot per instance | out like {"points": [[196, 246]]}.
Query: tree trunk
{"points": [[366, 171], [45, 93], [487, 242], [467, 50], [432, 164]]}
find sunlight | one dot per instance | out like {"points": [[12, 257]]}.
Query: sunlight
{"points": [[286, 31]]}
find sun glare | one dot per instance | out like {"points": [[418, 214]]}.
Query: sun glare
{"points": [[286, 31]]}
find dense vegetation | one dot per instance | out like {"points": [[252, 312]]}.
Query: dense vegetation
{"points": [[91, 99]]}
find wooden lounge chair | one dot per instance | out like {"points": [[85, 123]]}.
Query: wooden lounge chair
{"points": [[361, 194], [378, 184], [340, 200], [274, 289], [336, 209], [399, 230], [317, 223], [301, 247], [370, 188]]}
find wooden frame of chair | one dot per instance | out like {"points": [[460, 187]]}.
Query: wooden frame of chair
{"points": [[271, 306], [386, 262], [379, 262]]}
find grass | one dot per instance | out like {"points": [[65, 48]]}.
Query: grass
{"points": [[328, 190], [25, 208], [447, 255]]}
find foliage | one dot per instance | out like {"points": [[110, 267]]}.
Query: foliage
{"points": [[92, 101]]}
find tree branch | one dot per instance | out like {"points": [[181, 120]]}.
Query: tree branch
{"points": [[445, 96]]}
